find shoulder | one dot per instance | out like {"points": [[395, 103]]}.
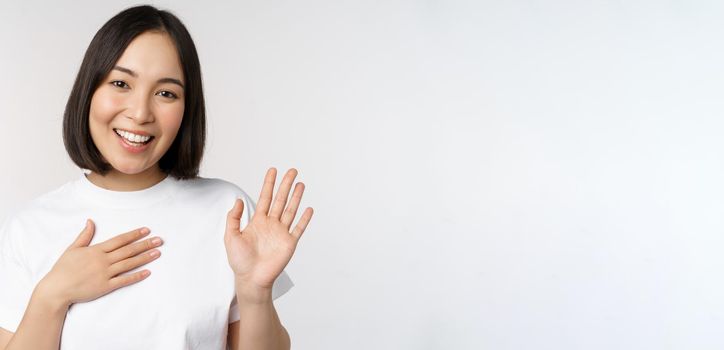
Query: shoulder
{"points": [[38, 207], [203, 187], [213, 194], [20, 219], [213, 185]]}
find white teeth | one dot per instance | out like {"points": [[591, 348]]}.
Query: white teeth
{"points": [[132, 137]]}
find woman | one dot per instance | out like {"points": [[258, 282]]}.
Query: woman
{"points": [[136, 120]]}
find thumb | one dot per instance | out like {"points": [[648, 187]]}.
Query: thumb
{"points": [[85, 236], [234, 217]]}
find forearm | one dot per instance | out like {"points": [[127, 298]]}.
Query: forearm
{"points": [[41, 325], [259, 326]]}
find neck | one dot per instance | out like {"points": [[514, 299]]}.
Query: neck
{"points": [[115, 180]]}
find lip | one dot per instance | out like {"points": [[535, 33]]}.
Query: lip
{"points": [[137, 132], [133, 149]]}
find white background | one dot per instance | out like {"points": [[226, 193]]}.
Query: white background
{"points": [[485, 174]]}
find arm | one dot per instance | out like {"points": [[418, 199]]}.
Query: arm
{"points": [[259, 326], [258, 255], [41, 325]]}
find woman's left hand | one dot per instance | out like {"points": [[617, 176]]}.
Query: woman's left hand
{"points": [[259, 253]]}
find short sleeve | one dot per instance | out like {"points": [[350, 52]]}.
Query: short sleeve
{"points": [[281, 285], [16, 284]]}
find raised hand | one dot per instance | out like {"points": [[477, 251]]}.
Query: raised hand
{"points": [[83, 273], [259, 253]]}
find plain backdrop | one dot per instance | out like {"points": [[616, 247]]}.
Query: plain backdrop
{"points": [[527, 174]]}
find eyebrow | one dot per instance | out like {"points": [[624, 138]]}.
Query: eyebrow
{"points": [[162, 80]]}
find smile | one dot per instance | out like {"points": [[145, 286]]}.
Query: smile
{"points": [[133, 139]]}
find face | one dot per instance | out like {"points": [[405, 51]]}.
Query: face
{"points": [[137, 109]]}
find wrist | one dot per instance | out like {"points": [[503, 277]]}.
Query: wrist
{"points": [[49, 303], [45, 296], [249, 293]]}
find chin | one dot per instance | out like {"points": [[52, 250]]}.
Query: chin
{"points": [[129, 169]]}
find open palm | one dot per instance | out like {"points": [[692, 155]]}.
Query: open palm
{"points": [[259, 253]]}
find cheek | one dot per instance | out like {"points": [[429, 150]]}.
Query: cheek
{"points": [[104, 106], [172, 117]]}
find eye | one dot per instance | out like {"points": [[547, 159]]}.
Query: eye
{"points": [[119, 83], [168, 94]]}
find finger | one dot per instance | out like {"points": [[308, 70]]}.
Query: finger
{"points": [[291, 211], [134, 249], [133, 262], [85, 236], [233, 218], [123, 239], [128, 279], [262, 206], [280, 201], [303, 222]]}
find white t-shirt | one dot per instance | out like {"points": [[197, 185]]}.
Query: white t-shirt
{"points": [[188, 300]]}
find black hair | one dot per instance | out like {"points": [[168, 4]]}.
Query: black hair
{"points": [[183, 158]]}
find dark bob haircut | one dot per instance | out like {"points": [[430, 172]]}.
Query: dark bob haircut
{"points": [[183, 158]]}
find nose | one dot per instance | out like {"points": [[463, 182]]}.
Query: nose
{"points": [[139, 110]]}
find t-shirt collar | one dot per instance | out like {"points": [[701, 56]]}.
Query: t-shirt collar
{"points": [[126, 199]]}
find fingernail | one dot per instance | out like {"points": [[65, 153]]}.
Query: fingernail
{"points": [[145, 230], [156, 241], [154, 253]]}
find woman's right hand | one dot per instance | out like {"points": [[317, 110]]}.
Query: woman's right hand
{"points": [[84, 273]]}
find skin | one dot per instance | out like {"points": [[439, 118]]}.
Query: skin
{"points": [[258, 254], [145, 93], [140, 102]]}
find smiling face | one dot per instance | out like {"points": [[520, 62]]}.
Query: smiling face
{"points": [[136, 111]]}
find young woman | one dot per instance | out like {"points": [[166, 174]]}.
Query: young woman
{"points": [[135, 120]]}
